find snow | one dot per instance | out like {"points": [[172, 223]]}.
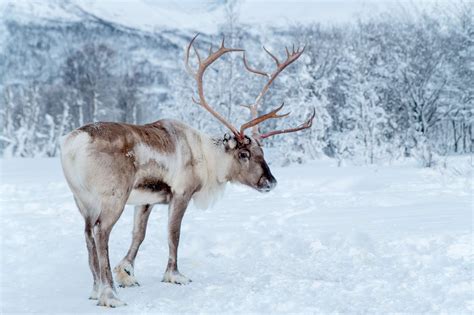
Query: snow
{"points": [[370, 239]]}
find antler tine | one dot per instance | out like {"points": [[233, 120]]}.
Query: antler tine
{"points": [[197, 54], [273, 56], [296, 53], [307, 124], [253, 70], [213, 56], [194, 101], [262, 118], [186, 58]]}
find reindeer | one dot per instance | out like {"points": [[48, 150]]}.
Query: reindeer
{"points": [[109, 165]]}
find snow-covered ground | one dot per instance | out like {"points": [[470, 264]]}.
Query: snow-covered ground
{"points": [[327, 239]]}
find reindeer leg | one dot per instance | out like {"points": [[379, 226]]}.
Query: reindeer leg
{"points": [[177, 208], [124, 270], [110, 213], [93, 260]]}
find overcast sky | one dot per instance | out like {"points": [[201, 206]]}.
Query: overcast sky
{"points": [[284, 11], [208, 14]]}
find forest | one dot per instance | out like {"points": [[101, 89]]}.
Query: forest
{"points": [[384, 88]]}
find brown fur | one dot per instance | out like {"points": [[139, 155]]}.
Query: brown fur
{"points": [[154, 185], [125, 136]]}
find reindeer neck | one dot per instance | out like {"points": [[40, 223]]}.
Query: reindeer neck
{"points": [[213, 172], [218, 159]]}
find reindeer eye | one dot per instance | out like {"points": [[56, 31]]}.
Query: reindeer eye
{"points": [[244, 155]]}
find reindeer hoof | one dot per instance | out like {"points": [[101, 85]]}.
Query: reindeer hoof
{"points": [[124, 275], [108, 298], [175, 277], [95, 293]]}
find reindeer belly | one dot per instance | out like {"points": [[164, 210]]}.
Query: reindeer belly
{"points": [[149, 191]]}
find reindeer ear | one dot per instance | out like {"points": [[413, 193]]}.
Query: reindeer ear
{"points": [[230, 142], [247, 140]]}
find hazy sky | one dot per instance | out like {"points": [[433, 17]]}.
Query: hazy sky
{"points": [[323, 11], [283, 11], [278, 12], [207, 15]]}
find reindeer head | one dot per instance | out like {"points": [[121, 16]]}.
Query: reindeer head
{"points": [[249, 166]]}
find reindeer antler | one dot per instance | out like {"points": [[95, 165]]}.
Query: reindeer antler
{"points": [[290, 58], [198, 76], [256, 120]]}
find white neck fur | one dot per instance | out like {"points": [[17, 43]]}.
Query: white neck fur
{"points": [[214, 173]]}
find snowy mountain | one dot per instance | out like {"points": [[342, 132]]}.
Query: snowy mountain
{"points": [[139, 15], [202, 16]]}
